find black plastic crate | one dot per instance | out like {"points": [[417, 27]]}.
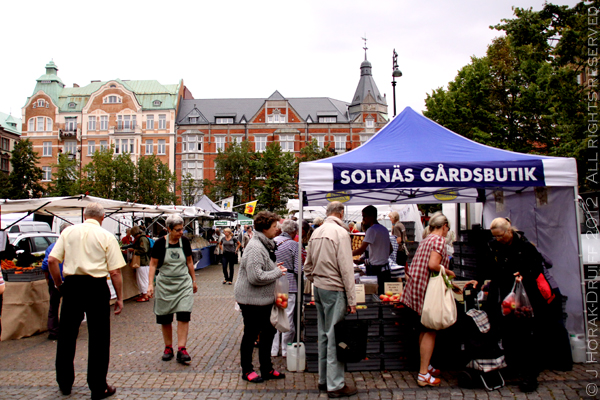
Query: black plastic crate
{"points": [[395, 329], [310, 312], [371, 313], [311, 348], [373, 346], [311, 330], [26, 276], [400, 364], [390, 311], [312, 365]]}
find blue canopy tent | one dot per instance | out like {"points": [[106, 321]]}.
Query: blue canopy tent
{"points": [[415, 160]]}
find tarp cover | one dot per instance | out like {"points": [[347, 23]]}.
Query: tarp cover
{"points": [[415, 160]]}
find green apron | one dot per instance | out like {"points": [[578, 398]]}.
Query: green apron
{"points": [[174, 289]]}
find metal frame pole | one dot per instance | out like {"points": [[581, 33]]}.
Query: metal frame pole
{"points": [[300, 294]]}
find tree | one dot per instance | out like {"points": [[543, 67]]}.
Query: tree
{"points": [[154, 181], [99, 174], [125, 178], [190, 189], [235, 173], [26, 175], [4, 186], [66, 180], [279, 183], [523, 95]]}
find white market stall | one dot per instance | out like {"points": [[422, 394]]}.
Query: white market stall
{"points": [[415, 160]]}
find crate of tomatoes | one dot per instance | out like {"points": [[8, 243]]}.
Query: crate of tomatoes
{"points": [[13, 272]]}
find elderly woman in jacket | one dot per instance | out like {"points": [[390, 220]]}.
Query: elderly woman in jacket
{"points": [[141, 248], [254, 292]]}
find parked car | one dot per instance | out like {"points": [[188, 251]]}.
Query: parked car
{"points": [[33, 242], [28, 226]]}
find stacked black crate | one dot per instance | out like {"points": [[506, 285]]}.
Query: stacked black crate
{"points": [[471, 251], [399, 342], [411, 245]]}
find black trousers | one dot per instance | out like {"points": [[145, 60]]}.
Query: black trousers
{"points": [[383, 273], [84, 294], [257, 320], [228, 259], [54, 308]]}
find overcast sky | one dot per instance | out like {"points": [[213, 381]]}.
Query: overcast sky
{"points": [[224, 49]]}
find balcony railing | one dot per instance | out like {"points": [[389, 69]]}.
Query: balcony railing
{"points": [[68, 133], [125, 127]]}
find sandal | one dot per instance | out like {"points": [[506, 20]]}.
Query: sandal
{"points": [[229, 283], [433, 372], [273, 375], [224, 282], [252, 377], [142, 299], [428, 380]]}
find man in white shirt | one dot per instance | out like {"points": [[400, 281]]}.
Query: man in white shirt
{"points": [[89, 254], [377, 242]]}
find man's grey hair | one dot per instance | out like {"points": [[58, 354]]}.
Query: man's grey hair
{"points": [[335, 207], [173, 221], [64, 226], [288, 226], [94, 210]]}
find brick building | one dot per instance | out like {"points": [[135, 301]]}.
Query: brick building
{"points": [[10, 133], [136, 117], [206, 125]]}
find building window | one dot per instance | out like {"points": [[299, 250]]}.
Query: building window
{"points": [[41, 103], [276, 119], [47, 174], [49, 124], [162, 121], [193, 120], [228, 120], [191, 143], [194, 168], [364, 138], [156, 103], [5, 144], [237, 139], [92, 124], [4, 164], [104, 123], [150, 122], [103, 145], [220, 143], [40, 124], [149, 147], [31, 125], [260, 143], [91, 147], [112, 99], [340, 143], [370, 123], [47, 149], [124, 146], [72, 105], [71, 124], [162, 147], [286, 142], [327, 120], [320, 141], [71, 147], [126, 122]]}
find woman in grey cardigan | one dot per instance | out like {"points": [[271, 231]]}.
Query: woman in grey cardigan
{"points": [[255, 291]]}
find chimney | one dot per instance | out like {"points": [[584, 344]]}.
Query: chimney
{"points": [[75, 85]]}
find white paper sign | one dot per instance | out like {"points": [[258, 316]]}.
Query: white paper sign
{"points": [[360, 293], [394, 287]]}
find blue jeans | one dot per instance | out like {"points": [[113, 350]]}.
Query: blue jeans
{"points": [[331, 309]]}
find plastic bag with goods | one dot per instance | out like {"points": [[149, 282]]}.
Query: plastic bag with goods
{"points": [[523, 306], [282, 289]]}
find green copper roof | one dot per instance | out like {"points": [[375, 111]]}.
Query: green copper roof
{"points": [[10, 123]]}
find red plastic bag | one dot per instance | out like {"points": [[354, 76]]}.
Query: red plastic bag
{"points": [[509, 303], [282, 289], [545, 289], [523, 306]]}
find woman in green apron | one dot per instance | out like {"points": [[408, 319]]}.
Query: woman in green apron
{"points": [[175, 287]]}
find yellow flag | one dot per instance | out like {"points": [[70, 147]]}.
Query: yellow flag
{"points": [[250, 207]]}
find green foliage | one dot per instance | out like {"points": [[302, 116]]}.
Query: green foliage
{"points": [[236, 170], [279, 183], [190, 189], [154, 181], [25, 177], [523, 95], [66, 179], [4, 186], [99, 174]]}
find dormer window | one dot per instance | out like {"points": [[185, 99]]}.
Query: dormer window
{"points": [[193, 120], [276, 118], [157, 103], [226, 120], [72, 105], [112, 99], [113, 86], [41, 103], [370, 123], [327, 120]]}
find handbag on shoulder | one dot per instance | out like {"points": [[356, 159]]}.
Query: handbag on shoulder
{"points": [[439, 308], [402, 254]]}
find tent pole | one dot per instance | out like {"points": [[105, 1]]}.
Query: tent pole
{"points": [[300, 293], [581, 269]]}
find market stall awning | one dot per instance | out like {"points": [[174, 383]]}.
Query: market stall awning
{"points": [[415, 160]]}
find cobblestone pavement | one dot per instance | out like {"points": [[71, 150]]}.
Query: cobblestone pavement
{"points": [[136, 369]]}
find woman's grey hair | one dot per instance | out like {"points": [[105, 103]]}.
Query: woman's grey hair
{"points": [[335, 207], [318, 221], [64, 226], [394, 216], [94, 210], [173, 221], [436, 221], [288, 226]]}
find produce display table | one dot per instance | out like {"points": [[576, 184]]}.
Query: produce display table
{"points": [[24, 309], [392, 344]]}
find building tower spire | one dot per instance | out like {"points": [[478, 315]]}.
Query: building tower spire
{"points": [[365, 48]]}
